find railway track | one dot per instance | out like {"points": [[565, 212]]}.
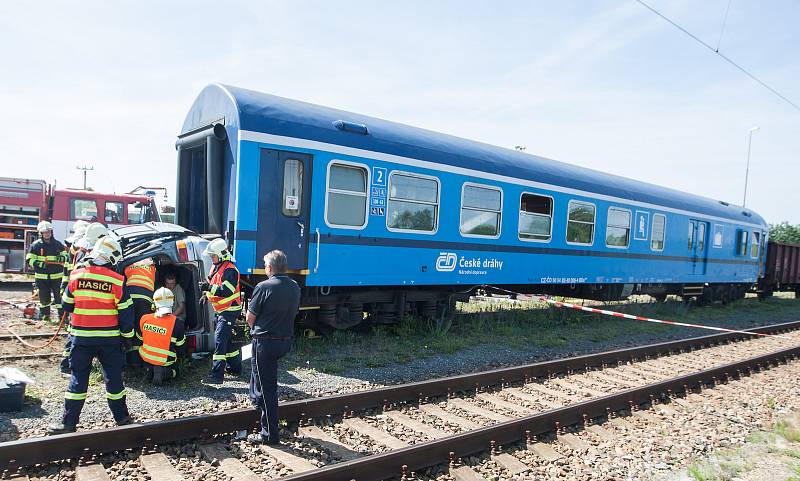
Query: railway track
{"points": [[16, 285], [390, 431], [12, 350]]}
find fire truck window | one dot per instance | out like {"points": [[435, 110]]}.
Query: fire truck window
{"points": [[136, 213], [113, 212], [83, 209]]}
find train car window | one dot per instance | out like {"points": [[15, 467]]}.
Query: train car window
{"points": [[741, 243], [691, 235], [481, 208], [83, 209], [618, 227], [701, 237], [346, 204], [413, 203], [754, 245], [658, 232], [136, 213], [113, 212], [718, 233], [292, 188], [580, 223], [535, 217]]}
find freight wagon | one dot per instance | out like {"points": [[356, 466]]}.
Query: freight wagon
{"points": [[380, 219], [782, 272]]}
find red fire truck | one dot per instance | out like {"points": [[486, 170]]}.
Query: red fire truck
{"points": [[24, 202]]}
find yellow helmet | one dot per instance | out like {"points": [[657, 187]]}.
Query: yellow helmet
{"points": [[44, 226], [106, 250], [164, 299]]}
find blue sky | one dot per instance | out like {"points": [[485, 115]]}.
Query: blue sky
{"points": [[604, 84]]}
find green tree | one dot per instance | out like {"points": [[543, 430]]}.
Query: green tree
{"points": [[785, 233]]}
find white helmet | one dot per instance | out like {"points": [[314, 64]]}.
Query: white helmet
{"points": [[78, 229], [44, 226], [94, 231], [163, 298], [219, 248], [106, 250]]}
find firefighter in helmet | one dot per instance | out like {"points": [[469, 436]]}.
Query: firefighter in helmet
{"points": [[46, 257], [94, 232], [140, 277], [78, 229], [102, 326], [222, 290], [162, 337]]}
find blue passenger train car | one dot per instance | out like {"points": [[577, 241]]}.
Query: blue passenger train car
{"points": [[384, 218]]}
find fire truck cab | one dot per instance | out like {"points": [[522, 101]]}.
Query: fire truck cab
{"points": [[113, 210]]}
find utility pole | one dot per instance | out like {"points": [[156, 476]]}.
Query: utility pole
{"points": [[747, 169], [84, 169]]}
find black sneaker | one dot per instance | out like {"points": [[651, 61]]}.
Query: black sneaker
{"points": [[125, 421], [212, 380], [257, 438], [60, 428]]}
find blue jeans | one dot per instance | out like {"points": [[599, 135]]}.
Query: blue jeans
{"points": [[264, 382]]}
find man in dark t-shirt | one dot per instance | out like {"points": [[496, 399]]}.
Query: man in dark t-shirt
{"points": [[270, 315]]}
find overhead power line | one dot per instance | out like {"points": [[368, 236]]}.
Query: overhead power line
{"points": [[739, 67], [722, 30]]}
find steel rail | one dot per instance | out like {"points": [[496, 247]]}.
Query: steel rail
{"points": [[32, 335], [15, 285], [30, 451], [21, 357]]}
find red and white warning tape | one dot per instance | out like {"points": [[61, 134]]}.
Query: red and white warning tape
{"points": [[631, 316]]}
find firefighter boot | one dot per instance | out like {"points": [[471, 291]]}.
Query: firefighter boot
{"points": [[60, 428]]}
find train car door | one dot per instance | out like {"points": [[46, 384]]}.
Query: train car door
{"points": [[697, 245], [284, 205]]}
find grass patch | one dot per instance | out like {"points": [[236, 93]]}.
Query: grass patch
{"points": [[787, 430], [514, 325], [701, 471], [723, 466]]}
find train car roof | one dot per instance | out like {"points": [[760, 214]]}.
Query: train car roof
{"points": [[259, 112]]}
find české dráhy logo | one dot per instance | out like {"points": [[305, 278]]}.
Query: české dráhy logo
{"points": [[446, 262]]}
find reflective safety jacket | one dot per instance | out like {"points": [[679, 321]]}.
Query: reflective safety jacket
{"points": [[160, 338], [100, 306], [47, 259], [141, 281], [70, 264], [224, 294]]}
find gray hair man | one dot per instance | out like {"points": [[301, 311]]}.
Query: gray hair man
{"points": [[270, 315]]}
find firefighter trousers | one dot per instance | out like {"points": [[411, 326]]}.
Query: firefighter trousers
{"points": [[49, 295], [140, 308], [112, 360], [226, 353]]}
